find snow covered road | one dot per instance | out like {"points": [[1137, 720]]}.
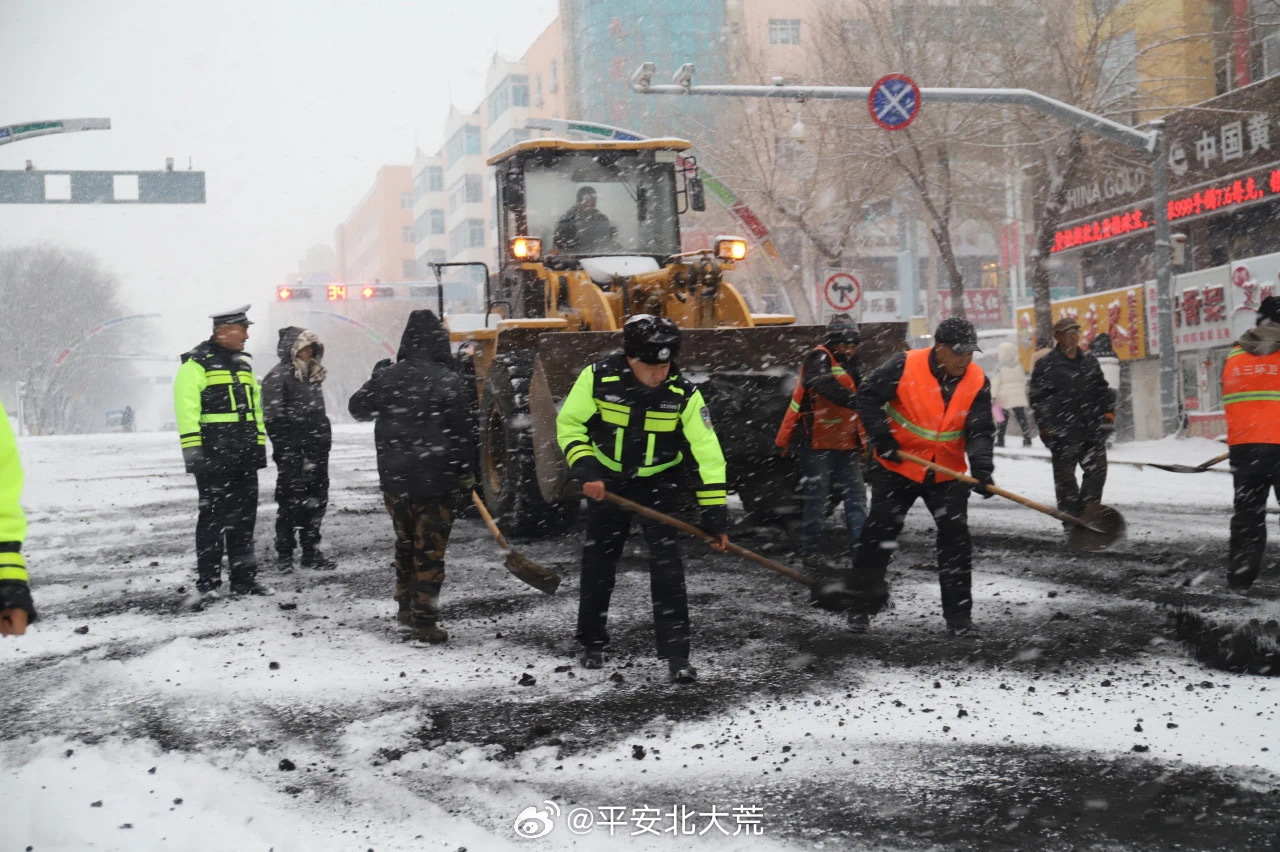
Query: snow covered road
{"points": [[303, 721]]}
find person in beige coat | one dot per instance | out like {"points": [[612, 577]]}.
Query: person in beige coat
{"points": [[1009, 390]]}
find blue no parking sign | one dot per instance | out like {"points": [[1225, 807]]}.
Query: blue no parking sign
{"points": [[894, 101]]}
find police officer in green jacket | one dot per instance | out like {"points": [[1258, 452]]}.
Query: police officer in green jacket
{"points": [[16, 608], [627, 425], [219, 415]]}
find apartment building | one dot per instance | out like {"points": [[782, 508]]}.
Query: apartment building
{"points": [[376, 240]]}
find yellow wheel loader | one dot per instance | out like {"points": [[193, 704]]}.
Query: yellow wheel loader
{"points": [[589, 235]]}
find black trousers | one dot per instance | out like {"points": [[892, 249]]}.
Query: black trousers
{"points": [[607, 527], [1255, 469], [1020, 414], [302, 496], [228, 511], [892, 496], [1091, 457]]}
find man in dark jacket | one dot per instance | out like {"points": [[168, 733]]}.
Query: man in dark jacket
{"points": [[1075, 409], [935, 404], [293, 409], [218, 409], [425, 438]]}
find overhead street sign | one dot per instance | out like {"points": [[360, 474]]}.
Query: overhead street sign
{"points": [[894, 101], [18, 132], [85, 187]]}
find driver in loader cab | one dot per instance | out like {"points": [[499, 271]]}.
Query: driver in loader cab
{"points": [[627, 424], [584, 228]]}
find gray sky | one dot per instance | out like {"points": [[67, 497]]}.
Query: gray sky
{"points": [[289, 106]]}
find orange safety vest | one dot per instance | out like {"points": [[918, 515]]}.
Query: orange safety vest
{"points": [[1251, 397], [922, 425], [830, 426]]}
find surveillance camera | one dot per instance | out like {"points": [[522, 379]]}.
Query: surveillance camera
{"points": [[778, 81], [684, 77], [643, 76]]}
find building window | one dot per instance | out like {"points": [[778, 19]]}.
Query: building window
{"points": [[537, 90], [406, 234], [511, 137], [432, 256], [469, 233], [1118, 73], [553, 85], [464, 143], [430, 179], [784, 31], [499, 100], [513, 91], [437, 221], [406, 201], [519, 90], [468, 190]]}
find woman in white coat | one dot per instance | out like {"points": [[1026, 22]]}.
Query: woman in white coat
{"points": [[1009, 391]]}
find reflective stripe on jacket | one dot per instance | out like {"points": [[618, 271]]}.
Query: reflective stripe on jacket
{"points": [[1251, 397], [612, 424], [13, 524], [923, 425], [827, 425], [218, 408]]}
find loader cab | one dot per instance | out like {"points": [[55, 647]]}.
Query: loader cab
{"points": [[560, 202]]}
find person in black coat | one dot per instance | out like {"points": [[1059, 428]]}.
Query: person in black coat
{"points": [[293, 409], [426, 443], [1075, 411]]}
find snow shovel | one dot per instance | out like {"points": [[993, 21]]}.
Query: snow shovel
{"points": [[525, 569], [1190, 468], [653, 514], [1101, 527]]}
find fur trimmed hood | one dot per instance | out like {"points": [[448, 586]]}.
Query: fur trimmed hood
{"points": [[292, 341]]}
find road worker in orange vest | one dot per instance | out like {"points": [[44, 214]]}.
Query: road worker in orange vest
{"points": [[934, 403], [822, 429], [1251, 399]]}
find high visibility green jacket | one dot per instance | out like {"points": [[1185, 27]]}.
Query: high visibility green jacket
{"points": [[219, 411], [611, 427], [14, 590]]}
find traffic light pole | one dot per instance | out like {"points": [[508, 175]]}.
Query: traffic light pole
{"points": [[1152, 144]]}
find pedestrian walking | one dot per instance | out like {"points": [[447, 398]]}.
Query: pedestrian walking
{"points": [[425, 437], [821, 427], [1009, 390], [217, 403], [1251, 399], [935, 404], [1074, 409], [301, 437], [626, 425], [17, 610]]}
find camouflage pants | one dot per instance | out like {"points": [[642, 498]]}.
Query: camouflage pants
{"points": [[422, 534]]}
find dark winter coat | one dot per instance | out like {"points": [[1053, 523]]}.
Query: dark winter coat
{"points": [[425, 433], [293, 408], [1070, 397], [881, 387]]}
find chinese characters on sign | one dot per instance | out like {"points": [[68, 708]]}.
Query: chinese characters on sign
{"points": [[1212, 307], [1118, 313], [981, 307], [880, 306]]}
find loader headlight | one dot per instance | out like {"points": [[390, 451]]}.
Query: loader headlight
{"points": [[526, 248], [731, 248]]}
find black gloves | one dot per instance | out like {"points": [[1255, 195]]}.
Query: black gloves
{"points": [[887, 447], [381, 365], [985, 479]]}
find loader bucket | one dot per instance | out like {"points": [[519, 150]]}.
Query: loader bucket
{"points": [[746, 376]]}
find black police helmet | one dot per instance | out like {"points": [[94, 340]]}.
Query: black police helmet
{"points": [[653, 340]]}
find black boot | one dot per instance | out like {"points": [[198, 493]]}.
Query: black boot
{"points": [[317, 561], [679, 671], [592, 658], [284, 563]]}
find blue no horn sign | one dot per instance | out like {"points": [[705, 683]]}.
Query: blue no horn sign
{"points": [[894, 101]]}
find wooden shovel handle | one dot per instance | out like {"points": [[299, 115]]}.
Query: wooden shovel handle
{"points": [[653, 514], [1008, 495], [1215, 460], [488, 521]]}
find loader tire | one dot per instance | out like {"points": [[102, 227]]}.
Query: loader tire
{"points": [[507, 473]]}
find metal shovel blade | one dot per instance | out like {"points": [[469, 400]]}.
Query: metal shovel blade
{"points": [[528, 571], [1106, 527]]}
